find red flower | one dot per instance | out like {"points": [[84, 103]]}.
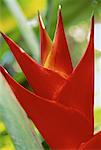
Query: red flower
{"points": [[62, 104]]}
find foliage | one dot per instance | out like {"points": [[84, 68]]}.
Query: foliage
{"points": [[7, 22], [16, 122]]}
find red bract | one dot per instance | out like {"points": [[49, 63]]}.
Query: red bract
{"points": [[62, 105]]}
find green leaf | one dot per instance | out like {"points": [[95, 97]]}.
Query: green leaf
{"points": [[97, 119], [98, 54], [30, 8], [6, 143], [15, 120]]}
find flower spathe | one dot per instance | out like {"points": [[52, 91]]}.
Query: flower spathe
{"points": [[61, 106]]}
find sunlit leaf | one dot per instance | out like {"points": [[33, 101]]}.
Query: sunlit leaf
{"points": [[30, 8], [97, 121], [6, 143]]}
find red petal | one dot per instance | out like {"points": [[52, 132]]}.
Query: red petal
{"points": [[93, 144], [44, 82], [45, 41], [62, 128], [59, 58], [79, 90]]}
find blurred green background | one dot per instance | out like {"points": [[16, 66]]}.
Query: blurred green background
{"points": [[18, 19]]}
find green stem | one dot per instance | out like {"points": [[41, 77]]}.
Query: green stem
{"points": [[26, 30]]}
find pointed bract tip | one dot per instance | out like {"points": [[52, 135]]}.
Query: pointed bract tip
{"points": [[3, 35], [93, 20], [1, 32], [40, 21], [92, 26], [59, 13], [60, 7], [93, 16], [2, 70], [59, 10], [38, 12]]}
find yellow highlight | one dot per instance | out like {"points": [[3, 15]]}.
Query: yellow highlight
{"points": [[33, 7], [6, 148], [30, 9], [8, 144], [2, 127], [7, 24]]}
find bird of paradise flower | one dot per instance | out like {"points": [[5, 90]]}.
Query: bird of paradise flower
{"points": [[62, 103]]}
